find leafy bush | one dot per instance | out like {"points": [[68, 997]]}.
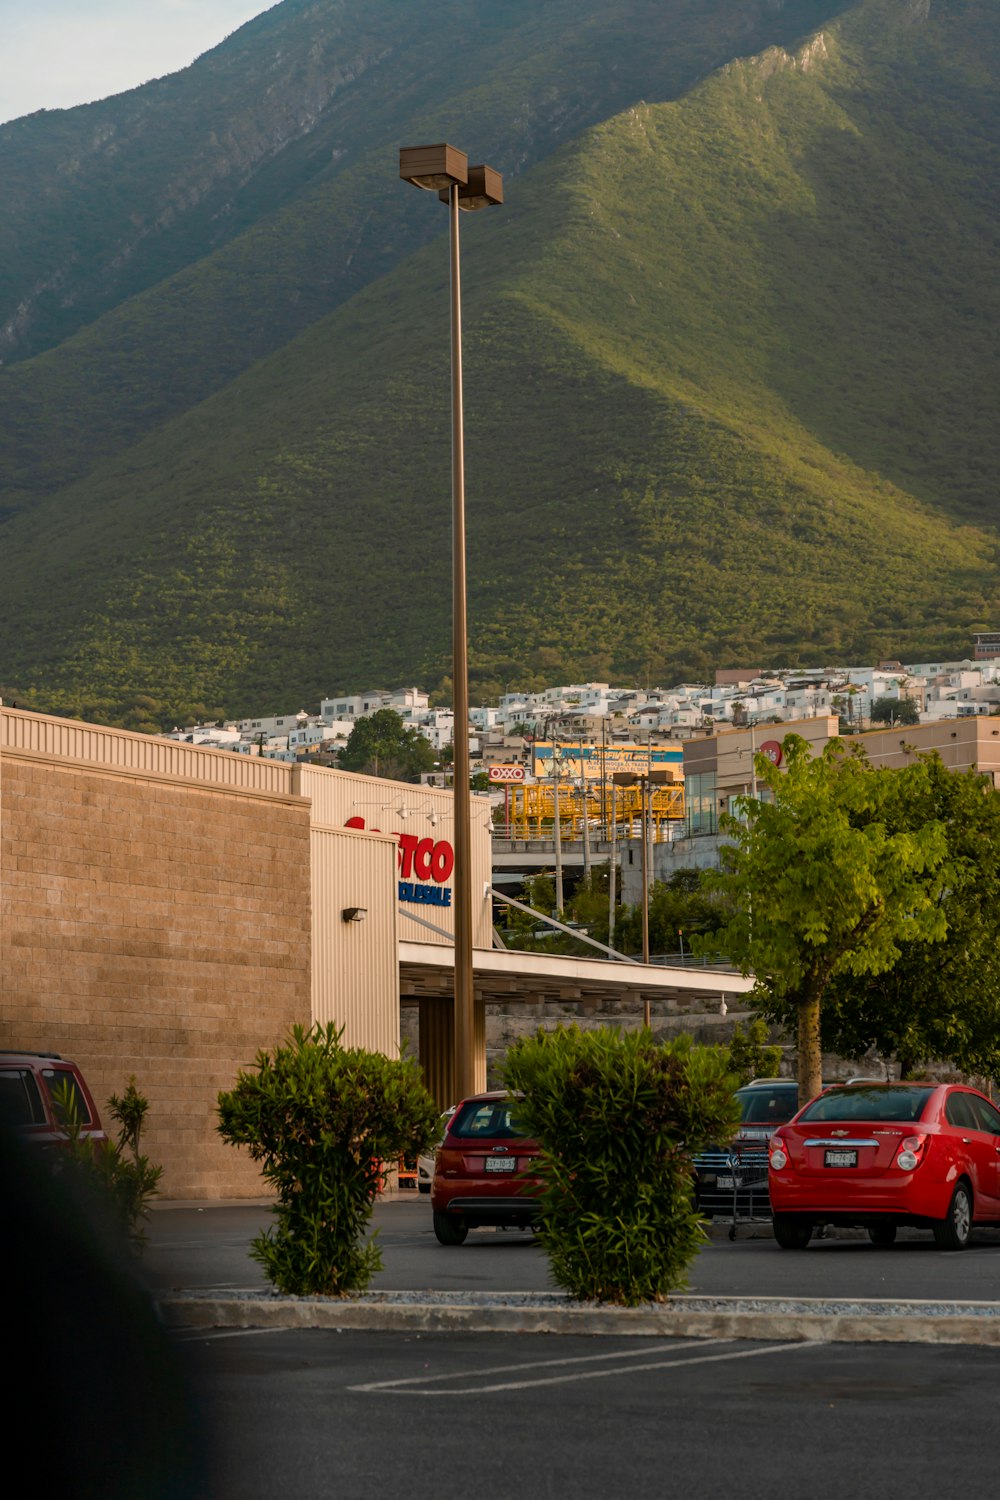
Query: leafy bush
{"points": [[618, 1118], [116, 1168], [322, 1118]]}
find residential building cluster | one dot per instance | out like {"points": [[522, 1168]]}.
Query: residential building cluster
{"points": [[596, 712]]}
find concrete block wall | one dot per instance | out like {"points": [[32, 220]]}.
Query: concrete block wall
{"points": [[156, 927]]}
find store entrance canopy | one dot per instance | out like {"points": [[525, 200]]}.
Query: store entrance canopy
{"points": [[509, 978]]}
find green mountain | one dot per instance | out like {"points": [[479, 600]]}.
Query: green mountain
{"points": [[730, 365]]}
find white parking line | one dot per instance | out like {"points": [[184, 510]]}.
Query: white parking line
{"points": [[531, 1364], [416, 1385]]}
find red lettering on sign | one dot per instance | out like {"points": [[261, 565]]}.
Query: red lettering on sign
{"points": [[420, 858], [442, 862], [408, 845]]}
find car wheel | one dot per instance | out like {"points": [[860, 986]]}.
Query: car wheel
{"points": [[449, 1231], [791, 1232], [882, 1234], [953, 1232], [423, 1187]]}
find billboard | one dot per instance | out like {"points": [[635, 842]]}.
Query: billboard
{"points": [[600, 762]]}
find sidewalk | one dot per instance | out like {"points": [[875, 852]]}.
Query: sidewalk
{"points": [[809, 1320]]}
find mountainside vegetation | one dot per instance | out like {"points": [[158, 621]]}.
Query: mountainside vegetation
{"points": [[730, 363]]}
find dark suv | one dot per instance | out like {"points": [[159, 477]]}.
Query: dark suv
{"points": [[29, 1085], [482, 1171], [732, 1180]]}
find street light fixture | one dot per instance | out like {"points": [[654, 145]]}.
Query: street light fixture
{"points": [[646, 779], [445, 169]]}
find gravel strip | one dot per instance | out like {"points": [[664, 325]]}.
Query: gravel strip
{"points": [[688, 1301]]}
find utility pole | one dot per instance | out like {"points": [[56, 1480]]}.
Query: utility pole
{"points": [[557, 825], [643, 796], [753, 762], [613, 866], [585, 795], [646, 780]]}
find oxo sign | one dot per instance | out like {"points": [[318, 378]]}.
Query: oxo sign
{"points": [[506, 773], [424, 866]]}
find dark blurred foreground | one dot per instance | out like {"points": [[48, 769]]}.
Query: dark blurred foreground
{"points": [[95, 1395]]}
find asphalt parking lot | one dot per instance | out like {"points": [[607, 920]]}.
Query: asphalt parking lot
{"points": [[375, 1413], [200, 1247], [369, 1415]]}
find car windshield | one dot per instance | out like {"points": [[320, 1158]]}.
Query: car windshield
{"points": [[877, 1103], [486, 1118], [764, 1106]]}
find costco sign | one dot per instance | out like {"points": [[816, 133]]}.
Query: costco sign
{"points": [[424, 866]]}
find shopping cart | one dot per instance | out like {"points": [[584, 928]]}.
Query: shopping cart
{"points": [[745, 1175]]}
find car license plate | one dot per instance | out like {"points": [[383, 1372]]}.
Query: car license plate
{"points": [[840, 1159], [728, 1182], [501, 1163]]}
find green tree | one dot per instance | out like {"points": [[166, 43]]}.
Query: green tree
{"points": [[894, 711], [750, 1055], [382, 745], [322, 1119], [586, 905], [618, 1118], [827, 879], [939, 1003], [682, 911]]}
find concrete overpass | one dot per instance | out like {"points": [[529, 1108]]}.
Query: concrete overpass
{"points": [[549, 982]]}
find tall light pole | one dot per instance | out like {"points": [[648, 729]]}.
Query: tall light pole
{"points": [[445, 170]]}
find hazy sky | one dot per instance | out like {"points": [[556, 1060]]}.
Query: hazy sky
{"points": [[56, 53]]}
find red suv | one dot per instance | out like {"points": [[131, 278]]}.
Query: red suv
{"points": [[29, 1084], [482, 1174]]}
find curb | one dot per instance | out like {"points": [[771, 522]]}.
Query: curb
{"points": [[802, 1321]]}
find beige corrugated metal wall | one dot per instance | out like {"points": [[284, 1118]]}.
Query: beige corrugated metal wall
{"points": [[91, 745], [399, 808], [355, 965]]}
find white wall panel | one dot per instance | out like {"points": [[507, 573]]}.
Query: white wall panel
{"points": [[355, 968]]}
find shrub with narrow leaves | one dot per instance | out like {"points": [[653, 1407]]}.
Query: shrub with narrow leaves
{"points": [[618, 1118], [116, 1171], [322, 1119]]}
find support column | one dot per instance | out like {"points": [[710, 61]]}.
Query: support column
{"points": [[437, 1047]]}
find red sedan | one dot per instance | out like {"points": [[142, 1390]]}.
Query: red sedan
{"points": [[882, 1155]]}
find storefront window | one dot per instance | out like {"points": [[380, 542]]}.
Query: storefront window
{"points": [[701, 804]]}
